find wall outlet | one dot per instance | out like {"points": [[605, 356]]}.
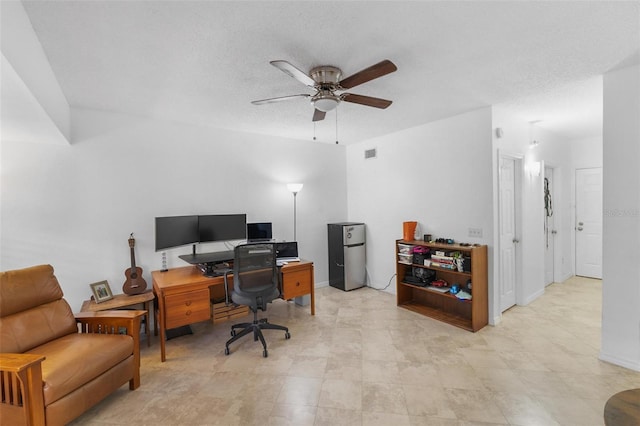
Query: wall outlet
{"points": [[475, 232]]}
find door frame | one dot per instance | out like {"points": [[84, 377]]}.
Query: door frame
{"points": [[518, 182]]}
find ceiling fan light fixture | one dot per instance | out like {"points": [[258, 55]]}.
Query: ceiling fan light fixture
{"points": [[326, 105], [325, 101]]}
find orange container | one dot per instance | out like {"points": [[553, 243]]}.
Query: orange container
{"points": [[409, 231]]}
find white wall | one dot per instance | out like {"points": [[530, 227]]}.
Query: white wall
{"points": [[516, 135], [587, 153], [75, 206], [31, 96], [555, 152], [438, 174], [621, 241]]}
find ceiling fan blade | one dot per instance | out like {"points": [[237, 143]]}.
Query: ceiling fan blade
{"points": [[318, 115], [294, 72], [365, 100], [374, 71], [281, 98]]}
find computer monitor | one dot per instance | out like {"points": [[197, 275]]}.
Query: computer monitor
{"points": [[259, 232], [176, 231], [222, 227]]}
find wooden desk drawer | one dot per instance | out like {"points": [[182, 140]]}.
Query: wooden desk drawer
{"points": [[295, 283], [187, 308]]}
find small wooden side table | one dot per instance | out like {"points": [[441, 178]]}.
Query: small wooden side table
{"points": [[120, 301], [623, 409]]}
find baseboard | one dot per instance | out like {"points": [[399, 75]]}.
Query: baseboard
{"points": [[533, 297], [566, 277], [626, 363], [496, 320], [321, 284]]}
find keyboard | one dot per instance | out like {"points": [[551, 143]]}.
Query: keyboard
{"points": [[284, 260]]}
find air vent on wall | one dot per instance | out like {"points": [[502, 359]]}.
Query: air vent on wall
{"points": [[370, 153]]}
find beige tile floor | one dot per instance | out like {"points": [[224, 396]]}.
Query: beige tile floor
{"points": [[363, 361]]}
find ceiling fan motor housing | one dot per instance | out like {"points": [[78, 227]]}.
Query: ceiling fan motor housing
{"points": [[326, 75]]}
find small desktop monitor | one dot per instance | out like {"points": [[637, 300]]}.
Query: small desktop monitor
{"points": [[222, 227], [287, 250], [259, 232], [176, 231]]}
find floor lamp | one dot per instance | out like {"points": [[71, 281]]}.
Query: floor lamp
{"points": [[294, 188]]}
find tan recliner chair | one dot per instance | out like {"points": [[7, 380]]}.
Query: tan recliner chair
{"points": [[53, 365]]}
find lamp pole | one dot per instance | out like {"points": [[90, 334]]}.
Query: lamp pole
{"points": [[294, 216], [294, 188]]}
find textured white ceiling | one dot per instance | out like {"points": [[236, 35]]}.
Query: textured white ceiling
{"points": [[203, 62]]}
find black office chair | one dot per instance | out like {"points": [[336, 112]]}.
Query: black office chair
{"points": [[255, 283]]}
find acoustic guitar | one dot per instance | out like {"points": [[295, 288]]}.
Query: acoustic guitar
{"points": [[134, 284]]}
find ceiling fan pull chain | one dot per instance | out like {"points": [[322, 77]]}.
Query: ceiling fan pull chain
{"points": [[314, 130], [336, 126]]}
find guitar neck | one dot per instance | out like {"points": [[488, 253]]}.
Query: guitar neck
{"points": [[133, 260]]}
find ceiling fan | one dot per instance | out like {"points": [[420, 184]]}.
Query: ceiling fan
{"points": [[327, 80]]}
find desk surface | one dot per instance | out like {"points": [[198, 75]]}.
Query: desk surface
{"points": [[179, 277]]}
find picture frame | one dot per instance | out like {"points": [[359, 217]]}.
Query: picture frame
{"points": [[101, 291]]}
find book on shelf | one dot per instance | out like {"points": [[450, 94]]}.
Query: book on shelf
{"points": [[438, 289], [439, 257], [443, 265]]}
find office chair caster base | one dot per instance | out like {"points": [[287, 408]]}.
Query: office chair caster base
{"points": [[287, 335], [265, 354], [233, 333], [227, 351]]}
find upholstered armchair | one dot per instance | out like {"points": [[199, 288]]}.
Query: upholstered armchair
{"points": [[55, 365]]}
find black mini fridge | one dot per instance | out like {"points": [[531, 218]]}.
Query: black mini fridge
{"points": [[347, 268]]}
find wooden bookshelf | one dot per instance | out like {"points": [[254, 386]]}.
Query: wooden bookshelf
{"points": [[471, 314]]}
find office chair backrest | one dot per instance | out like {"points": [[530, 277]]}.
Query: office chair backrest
{"points": [[255, 273]]}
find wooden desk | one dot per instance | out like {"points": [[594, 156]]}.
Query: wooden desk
{"points": [[623, 409], [120, 301], [184, 297]]}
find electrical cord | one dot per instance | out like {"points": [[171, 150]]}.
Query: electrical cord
{"points": [[379, 289]]}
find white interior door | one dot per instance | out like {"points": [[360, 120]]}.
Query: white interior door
{"points": [[589, 222], [507, 224], [549, 229]]}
